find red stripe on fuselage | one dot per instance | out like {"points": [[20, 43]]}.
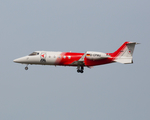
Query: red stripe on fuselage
{"points": [[65, 60], [68, 57]]}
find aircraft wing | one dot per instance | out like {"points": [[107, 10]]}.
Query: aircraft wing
{"points": [[80, 61]]}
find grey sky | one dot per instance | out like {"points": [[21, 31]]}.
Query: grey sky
{"points": [[108, 92]]}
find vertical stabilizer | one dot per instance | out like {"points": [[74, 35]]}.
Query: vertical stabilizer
{"points": [[124, 53]]}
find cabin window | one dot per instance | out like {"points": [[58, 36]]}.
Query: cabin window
{"points": [[69, 57]]}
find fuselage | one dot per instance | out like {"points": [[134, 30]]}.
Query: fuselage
{"points": [[64, 58]]}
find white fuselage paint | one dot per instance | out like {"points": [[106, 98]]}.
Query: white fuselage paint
{"points": [[49, 57], [52, 57]]}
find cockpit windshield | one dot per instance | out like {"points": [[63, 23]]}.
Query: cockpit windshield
{"points": [[34, 53]]}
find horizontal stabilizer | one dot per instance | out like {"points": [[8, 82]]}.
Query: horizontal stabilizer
{"points": [[124, 60]]}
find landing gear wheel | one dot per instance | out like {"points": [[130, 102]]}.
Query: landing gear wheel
{"points": [[26, 68], [80, 70]]}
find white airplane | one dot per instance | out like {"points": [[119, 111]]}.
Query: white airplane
{"points": [[80, 60]]}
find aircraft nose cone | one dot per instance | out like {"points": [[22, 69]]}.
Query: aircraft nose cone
{"points": [[17, 60], [20, 60]]}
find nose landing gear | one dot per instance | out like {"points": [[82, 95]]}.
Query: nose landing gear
{"points": [[80, 69], [26, 68]]}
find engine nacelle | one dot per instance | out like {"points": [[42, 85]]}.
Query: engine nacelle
{"points": [[96, 55]]}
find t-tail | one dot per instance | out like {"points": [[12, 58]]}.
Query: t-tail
{"points": [[125, 53]]}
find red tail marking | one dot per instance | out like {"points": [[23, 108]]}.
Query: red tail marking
{"points": [[118, 52]]}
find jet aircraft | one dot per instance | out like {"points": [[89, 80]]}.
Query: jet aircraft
{"points": [[80, 60]]}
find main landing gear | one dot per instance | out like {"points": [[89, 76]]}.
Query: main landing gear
{"points": [[26, 68], [80, 69]]}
